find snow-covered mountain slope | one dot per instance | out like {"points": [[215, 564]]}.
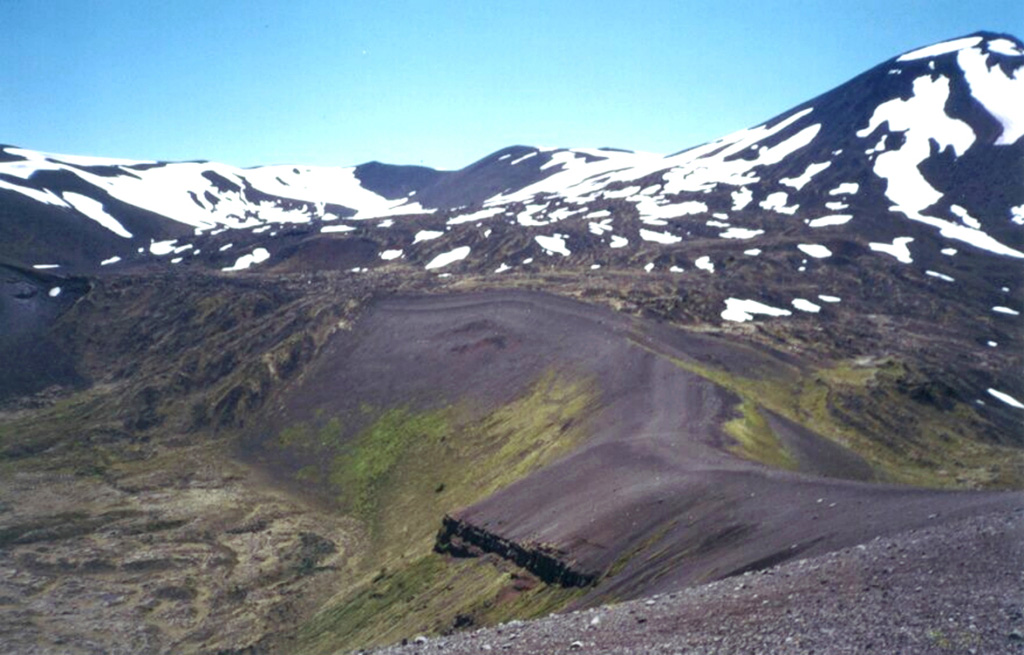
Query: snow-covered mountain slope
{"points": [[930, 138]]}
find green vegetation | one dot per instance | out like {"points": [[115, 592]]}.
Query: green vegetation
{"points": [[858, 405], [400, 475], [360, 471], [755, 439], [430, 595]]}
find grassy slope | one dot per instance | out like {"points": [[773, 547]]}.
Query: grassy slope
{"points": [[855, 404], [400, 476]]}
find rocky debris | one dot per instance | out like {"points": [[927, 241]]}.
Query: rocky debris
{"points": [[949, 588], [182, 551], [462, 539]]}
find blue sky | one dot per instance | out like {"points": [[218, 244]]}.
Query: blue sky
{"points": [[434, 83]]}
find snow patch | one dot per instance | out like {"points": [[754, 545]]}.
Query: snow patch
{"points": [[806, 305], [1000, 94], [1006, 398], [94, 210], [45, 195], [814, 250], [1005, 310], [659, 237], [941, 276], [476, 216], [257, 256], [1005, 47], [450, 257], [161, 248], [523, 158], [743, 310], [327, 229], [834, 219], [967, 219], [753, 252], [388, 255], [618, 242], [111, 260], [940, 48], [741, 198], [846, 188], [824, 298], [54, 292], [898, 249], [705, 264], [426, 235], [740, 233], [553, 244], [777, 202], [805, 177]]}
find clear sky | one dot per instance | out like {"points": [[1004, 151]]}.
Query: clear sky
{"points": [[335, 82]]}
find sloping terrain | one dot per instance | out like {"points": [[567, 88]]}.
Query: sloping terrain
{"points": [[294, 409], [939, 589]]}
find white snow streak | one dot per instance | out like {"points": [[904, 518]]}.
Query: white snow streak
{"points": [[450, 257], [846, 188], [476, 216], [94, 210], [47, 196], [740, 233], [898, 249], [741, 198], [814, 250], [801, 181], [1006, 398], [659, 237], [426, 235], [743, 310], [1005, 47], [806, 305], [1000, 94], [940, 48], [834, 219], [777, 202], [257, 256], [941, 276], [553, 244]]}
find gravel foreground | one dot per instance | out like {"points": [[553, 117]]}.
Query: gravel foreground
{"points": [[952, 588]]}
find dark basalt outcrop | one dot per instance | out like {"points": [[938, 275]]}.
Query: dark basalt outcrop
{"points": [[461, 539]]}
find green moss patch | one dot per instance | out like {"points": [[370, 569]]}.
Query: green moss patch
{"points": [[859, 405], [755, 439], [401, 475]]}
